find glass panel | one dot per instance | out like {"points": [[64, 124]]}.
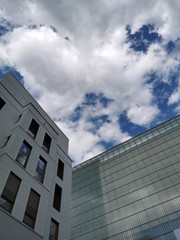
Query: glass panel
{"points": [[132, 196], [60, 170], [33, 128], [29, 220], [24, 153], [9, 193], [46, 143], [31, 209], [57, 197], [40, 170], [54, 227]]}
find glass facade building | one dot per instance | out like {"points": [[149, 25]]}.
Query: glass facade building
{"points": [[131, 191]]}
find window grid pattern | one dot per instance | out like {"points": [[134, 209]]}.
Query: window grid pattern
{"points": [[134, 142], [126, 165], [133, 196]]}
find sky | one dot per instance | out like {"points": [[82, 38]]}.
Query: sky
{"points": [[104, 71]]}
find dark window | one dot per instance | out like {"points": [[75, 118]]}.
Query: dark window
{"points": [[47, 143], [57, 197], [24, 153], [40, 169], [2, 103], [31, 209], [60, 170], [54, 228], [10, 191], [33, 128]]}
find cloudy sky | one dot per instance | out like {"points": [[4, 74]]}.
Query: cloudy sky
{"points": [[104, 70]]}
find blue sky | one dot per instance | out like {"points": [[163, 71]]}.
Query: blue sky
{"points": [[104, 71]]}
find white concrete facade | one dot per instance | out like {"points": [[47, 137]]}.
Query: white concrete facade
{"points": [[15, 118]]}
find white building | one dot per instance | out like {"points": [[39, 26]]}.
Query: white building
{"points": [[35, 170]]}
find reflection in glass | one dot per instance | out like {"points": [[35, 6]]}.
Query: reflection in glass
{"points": [[40, 170], [24, 153]]}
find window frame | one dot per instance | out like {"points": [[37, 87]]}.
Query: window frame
{"points": [[57, 197], [42, 174], [55, 236], [30, 212], [9, 194], [47, 143], [33, 128], [60, 169], [20, 156]]}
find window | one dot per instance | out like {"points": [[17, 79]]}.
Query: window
{"points": [[41, 168], [2, 103], [24, 153], [47, 143], [60, 170], [31, 209], [10, 191], [33, 128], [54, 228], [57, 197]]}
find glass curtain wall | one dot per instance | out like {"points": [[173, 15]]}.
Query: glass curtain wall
{"points": [[132, 195]]}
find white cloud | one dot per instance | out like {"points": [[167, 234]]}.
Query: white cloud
{"points": [[80, 19], [96, 58], [175, 98], [83, 144], [141, 114]]}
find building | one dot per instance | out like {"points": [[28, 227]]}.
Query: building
{"points": [[131, 191], [35, 170]]}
